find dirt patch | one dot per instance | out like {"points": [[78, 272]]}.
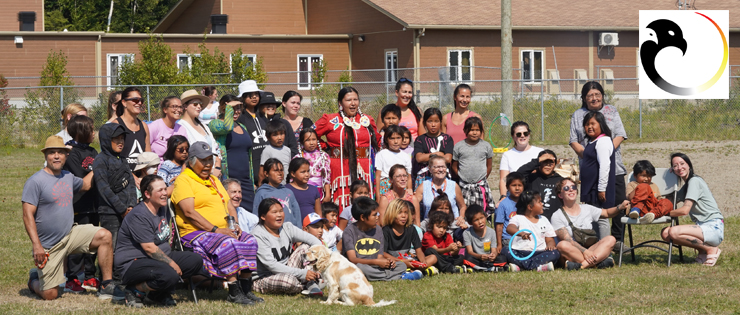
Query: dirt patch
{"points": [[715, 161]]}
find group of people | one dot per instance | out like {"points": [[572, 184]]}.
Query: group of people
{"points": [[252, 191]]}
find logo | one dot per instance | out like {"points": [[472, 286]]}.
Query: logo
{"points": [[684, 54], [62, 193], [367, 246]]}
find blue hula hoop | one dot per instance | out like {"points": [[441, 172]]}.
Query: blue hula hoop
{"points": [[512, 241]]}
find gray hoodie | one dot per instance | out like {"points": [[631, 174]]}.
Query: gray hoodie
{"points": [[285, 197], [273, 252]]}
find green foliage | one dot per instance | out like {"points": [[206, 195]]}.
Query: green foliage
{"points": [[242, 69], [324, 95], [8, 118], [155, 64], [207, 68], [92, 15]]}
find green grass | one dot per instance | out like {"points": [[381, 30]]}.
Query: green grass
{"points": [[647, 286]]}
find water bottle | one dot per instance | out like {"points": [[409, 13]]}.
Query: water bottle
{"points": [[230, 221]]}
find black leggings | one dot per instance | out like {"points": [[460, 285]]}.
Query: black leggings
{"points": [[160, 276], [445, 263], [620, 195]]}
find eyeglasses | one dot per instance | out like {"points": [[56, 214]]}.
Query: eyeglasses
{"points": [[181, 150], [522, 134], [133, 99], [592, 96], [571, 187], [401, 176], [404, 80], [439, 167]]}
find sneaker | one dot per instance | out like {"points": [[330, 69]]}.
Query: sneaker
{"points": [[431, 271], [495, 269], [33, 275], [414, 275], [312, 289], [459, 269], [546, 267], [634, 213], [111, 291], [617, 247], [134, 298], [159, 299], [513, 268], [606, 263], [74, 286], [91, 284], [570, 265], [467, 269], [648, 218]]}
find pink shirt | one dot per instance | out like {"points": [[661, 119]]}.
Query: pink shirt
{"points": [[410, 123], [159, 133], [456, 131]]}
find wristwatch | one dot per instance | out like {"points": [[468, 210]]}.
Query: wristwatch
{"points": [[213, 230]]}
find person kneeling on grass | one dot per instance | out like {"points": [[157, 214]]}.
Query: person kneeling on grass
{"points": [[529, 216], [364, 245], [480, 243], [438, 243], [143, 257], [586, 251]]}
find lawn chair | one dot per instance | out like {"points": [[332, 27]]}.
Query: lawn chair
{"points": [[177, 245], [667, 182]]}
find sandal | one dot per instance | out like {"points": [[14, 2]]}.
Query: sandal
{"points": [[712, 259]]}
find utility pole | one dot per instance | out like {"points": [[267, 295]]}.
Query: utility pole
{"points": [[507, 93], [110, 15]]}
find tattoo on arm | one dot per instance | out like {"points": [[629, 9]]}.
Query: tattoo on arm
{"points": [[564, 236], [161, 256]]}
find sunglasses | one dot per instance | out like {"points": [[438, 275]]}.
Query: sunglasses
{"points": [[571, 187], [404, 80], [199, 103], [522, 134], [181, 150], [133, 99]]}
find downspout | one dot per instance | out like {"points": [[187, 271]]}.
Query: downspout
{"points": [[417, 53], [98, 63]]}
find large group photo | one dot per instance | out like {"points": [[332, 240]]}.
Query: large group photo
{"points": [[203, 183]]}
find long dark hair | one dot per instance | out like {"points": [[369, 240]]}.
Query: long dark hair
{"points": [[294, 166], [599, 119], [527, 198], [125, 94], [457, 91], [432, 111], [290, 94], [208, 91], [349, 136], [686, 159], [412, 105], [172, 144], [264, 208], [222, 104], [267, 167], [111, 102], [591, 85]]}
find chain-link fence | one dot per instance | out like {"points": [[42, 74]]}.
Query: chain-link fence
{"points": [[32, 113]]}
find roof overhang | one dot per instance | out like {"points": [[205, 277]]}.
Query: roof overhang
{"points": [[172, 16]]}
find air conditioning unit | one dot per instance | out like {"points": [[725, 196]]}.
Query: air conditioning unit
{"points": [[609, 39]]}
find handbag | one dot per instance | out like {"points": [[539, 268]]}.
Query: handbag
{"points": [[585, 237]]}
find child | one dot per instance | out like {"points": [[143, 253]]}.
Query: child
{"points": [[113, 178], [438, 243], [529, 210], [647, 202], [434, 142], [406, 146], [440, 203], [319, 168], [174, 160], [598, 177], [391, 115], [272, 188], [314, 224], [79, 162], [359, 188], [468, 157], [308, 196], [332, 236], [480, 242], [363, 244], [402, 243], [507, 210], [386, 158], [276, 136]]}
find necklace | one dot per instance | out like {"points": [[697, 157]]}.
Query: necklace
{"points": [[364, 120]]}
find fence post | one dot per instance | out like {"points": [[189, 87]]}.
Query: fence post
{"points": [[61, 105], [542, 108], [640, 102], [439, 95], [148, 105]]}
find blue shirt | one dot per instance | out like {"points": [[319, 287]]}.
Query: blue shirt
{"points": [[505, 211]]}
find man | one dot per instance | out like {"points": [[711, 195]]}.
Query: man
{"points": [[247, 219], [48, 216]]}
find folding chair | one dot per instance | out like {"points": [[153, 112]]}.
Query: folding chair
{"points": [[177, 245], [667, 182]]}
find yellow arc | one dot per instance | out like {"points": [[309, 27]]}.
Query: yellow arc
{"points": [[725, 57]]}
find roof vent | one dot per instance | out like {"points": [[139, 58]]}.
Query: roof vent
{"points": [[218, 23]]}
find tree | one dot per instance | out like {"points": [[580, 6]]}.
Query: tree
{"points": [[92, 15], [324, 95], [242, 69], [207, 68], [156, 65]]}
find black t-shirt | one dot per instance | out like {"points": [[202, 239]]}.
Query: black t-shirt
{"points": [[79, 163], [425, 144], [141, 226], [395, 244], [134, 143]]}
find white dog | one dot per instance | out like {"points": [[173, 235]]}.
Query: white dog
{"points": [[343, 279]]}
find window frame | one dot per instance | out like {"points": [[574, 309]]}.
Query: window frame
{"points": [[109, 75], [532, 80], [190, 60], [252, 56], [308, 85], [394, 71], [459, 66]]}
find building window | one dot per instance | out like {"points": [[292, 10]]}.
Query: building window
{"points": [[249, 57], [185, 61], [460, 62], [532, 65], [114, 66], [391, 66], [305, 66]]}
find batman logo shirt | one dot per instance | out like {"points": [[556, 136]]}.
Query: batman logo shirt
{"points": [[367, 246]]}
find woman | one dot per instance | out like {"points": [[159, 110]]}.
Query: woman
{"points": [[249, 94], [282, 269], [592, 98], [590, 252], [143, 257], [699, 204], [235, 144], [453, 123], [410, 114], [113, 98], [291, 107], [399, 189], [196, 131], [162, 129], [210, 109], [520, 154], [543, 180], [137, 133], [352, 139], [430, 188], [68, 112], [203, 211]]}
